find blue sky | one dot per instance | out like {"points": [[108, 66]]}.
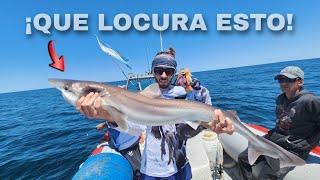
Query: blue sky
{"points": [[24, 59]]}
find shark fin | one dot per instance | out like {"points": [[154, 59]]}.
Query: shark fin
{"points": [[152, 91], [192, 124], [253, 154], [233, 112], [118, 117]]}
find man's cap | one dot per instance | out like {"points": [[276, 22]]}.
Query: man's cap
{"points": [[291, 72]]}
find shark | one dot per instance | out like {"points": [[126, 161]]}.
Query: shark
{"points": [[148, 108]]}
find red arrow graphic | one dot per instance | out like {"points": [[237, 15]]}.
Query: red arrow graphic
{"points": [[58, 63]]}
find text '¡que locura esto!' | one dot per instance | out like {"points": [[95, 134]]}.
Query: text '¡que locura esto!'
{"points": [[45, 23]]}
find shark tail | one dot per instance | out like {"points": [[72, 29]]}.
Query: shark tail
{"points": [[258, 146], [268, 148]]}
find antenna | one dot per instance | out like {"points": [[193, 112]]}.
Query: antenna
{"points": [[147, 54], [160, 36], [161, 40]]}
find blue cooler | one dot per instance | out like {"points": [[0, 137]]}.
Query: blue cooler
{"points": [[105, 166]]}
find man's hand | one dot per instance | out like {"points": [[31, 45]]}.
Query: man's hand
{"points": [[221, 124], [90, 106]]}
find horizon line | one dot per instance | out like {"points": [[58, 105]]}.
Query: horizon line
{"points": [[192, 72]]}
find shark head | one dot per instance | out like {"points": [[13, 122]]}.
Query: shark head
{"points": [[72, 90]]}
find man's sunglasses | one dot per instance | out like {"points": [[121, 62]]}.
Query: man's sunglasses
{"points": [[287, 80], [160, 70]]}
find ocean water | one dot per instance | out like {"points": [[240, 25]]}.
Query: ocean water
{"points": [[41, 136]]}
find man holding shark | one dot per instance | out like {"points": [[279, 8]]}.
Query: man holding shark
{"points": [[156, 110], [164, 155]]}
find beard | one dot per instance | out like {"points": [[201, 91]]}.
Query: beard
{"points": [[164, 83]]}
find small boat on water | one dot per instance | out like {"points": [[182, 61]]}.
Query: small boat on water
{"points": [[210, 156]]}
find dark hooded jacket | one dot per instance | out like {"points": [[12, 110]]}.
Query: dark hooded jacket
{"points": [[297, 124]]}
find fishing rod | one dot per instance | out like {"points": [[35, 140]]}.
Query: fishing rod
{"points": [[122, 71]]}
